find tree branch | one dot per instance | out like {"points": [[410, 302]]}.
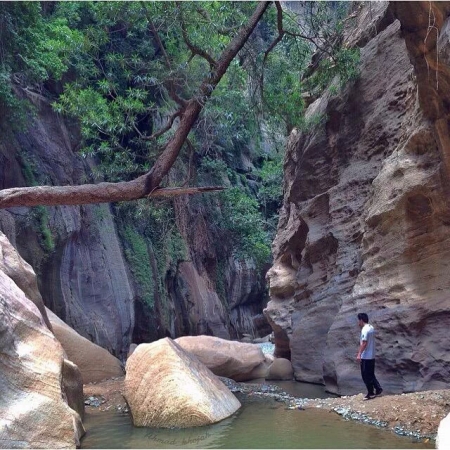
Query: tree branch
{"points": [[193, 48], [162, 130], [195, 105], [159, 43], [276, 41], [88, 194]]}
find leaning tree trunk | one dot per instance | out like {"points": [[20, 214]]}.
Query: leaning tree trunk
{"points": [[145, 185]]}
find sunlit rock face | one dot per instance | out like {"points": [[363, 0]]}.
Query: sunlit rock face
{"points": [[36, 382], [15, 267], [166, 387], [365, 224]]}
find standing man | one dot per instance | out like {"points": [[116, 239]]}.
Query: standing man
{"points": [[366, 356]]}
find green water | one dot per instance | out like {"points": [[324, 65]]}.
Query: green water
{"points": [[260, 423]]}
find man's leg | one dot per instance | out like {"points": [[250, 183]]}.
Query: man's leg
{"points": [[378, 388], [366, 375]]}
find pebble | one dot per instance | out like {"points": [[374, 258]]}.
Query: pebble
{"points": [[94, 401]]}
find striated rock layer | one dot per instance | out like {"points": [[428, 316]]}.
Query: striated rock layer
{"points": [[36, 382], [167, 387], [365, 223]]}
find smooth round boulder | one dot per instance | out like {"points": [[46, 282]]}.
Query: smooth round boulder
{"points": [[167, 387], [95, 363], [281, 369], [230, 359]]}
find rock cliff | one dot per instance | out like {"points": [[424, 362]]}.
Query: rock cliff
{"points": [[365, 224]]}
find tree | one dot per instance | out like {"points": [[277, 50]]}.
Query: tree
{"points": [[114, 103], [147, 185]]}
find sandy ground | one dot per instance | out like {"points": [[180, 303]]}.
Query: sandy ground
{"points": [[415, 414]]}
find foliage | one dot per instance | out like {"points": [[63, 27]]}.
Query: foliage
{"points": [[138, 58], [39, 214], [138, 258], [34, 48], [271, 189], [245, 225], [149, 228], [344, 67]]}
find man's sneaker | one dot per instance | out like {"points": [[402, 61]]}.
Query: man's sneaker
{"points": [[378, 392], [369, 397]]}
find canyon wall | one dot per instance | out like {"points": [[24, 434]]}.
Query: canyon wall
{"points": [[81, 260], [365, 222]]}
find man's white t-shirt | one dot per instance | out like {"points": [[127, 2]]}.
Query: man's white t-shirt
{"points": [[368, 334]]}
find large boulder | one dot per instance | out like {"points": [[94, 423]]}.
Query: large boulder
{"points": [[33, 410], [230, 359], [95, 363], [167, 387]]}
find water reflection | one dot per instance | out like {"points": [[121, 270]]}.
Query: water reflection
{"points": [[258, 424]]}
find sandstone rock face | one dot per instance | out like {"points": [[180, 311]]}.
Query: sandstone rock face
{"points": [[280, 369], [230, 359], [198, 300], [166, 387], [12, 265], [365, 224], [245, 298], [33, 410], [94, 362]]}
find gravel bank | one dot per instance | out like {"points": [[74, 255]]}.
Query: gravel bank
{"points": [[416, 415]]}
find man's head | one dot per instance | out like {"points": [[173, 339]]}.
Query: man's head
{"points": [[363, 318]]}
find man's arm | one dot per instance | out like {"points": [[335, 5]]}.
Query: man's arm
{"points": [[362, 347]]}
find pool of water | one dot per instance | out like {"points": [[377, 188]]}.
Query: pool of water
{"points": [[297, 389], [260, 423]]}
